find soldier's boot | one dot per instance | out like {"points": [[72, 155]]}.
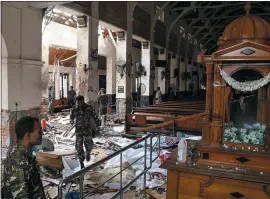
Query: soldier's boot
{"points": [[88, 157], [82, 164]]}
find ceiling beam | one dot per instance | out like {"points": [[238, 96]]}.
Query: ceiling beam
{"points": [[46, 4], [210, 7], [218, 21], [222, 17]]}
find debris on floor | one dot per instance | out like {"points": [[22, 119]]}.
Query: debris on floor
{"points": [[62, 162]]}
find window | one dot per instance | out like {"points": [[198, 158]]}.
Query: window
{"points": [[161, 16], [181, 29], [189, 36]]}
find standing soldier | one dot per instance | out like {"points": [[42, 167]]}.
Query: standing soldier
{"points": [[102, 105], [83, 113], [21, 174]]}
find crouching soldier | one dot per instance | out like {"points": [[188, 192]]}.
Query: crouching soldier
{"points": [[82, 114]]}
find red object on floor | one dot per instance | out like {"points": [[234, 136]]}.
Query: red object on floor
{"points": [[43, 124], [164, 157], [109, 110]]}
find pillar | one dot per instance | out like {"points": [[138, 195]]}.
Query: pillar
{"points": [[87, 76], [20, 66], [110, 79], [146, 78], [173, 66], [161, 80], [124, 56], [195, 79], [187, 68], [208, 104], [218, 104], [182, 83]]}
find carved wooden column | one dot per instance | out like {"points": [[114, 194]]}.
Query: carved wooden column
{"points": [[268, 102], [208, 104], [217, 124]]}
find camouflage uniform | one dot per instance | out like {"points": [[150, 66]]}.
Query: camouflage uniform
{"points": [[102, 104], [21, 177], [83, 129]]}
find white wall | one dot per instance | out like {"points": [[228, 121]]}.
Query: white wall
{"points": [[56, 34], [106, 48], [21, 30], [136, 57]]}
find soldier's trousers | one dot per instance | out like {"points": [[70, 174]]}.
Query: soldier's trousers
{"points": [[85, 139]]}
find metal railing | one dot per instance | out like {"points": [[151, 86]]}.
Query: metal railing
{"points": [[80, 174]]}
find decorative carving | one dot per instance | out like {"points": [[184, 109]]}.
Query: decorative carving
{"points": [[206, 184], [248, 51], [242, 159], [267, 138], [237, 195]]}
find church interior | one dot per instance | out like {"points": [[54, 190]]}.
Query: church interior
{"points": [[174, 72]]}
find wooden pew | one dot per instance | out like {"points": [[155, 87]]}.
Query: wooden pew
{"points": [[168, 111]]}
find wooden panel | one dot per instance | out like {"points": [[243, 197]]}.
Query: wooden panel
{"points": [[140, 120], [189, 185], [261, 52], [225, 188], [172, 185], [61, 53], [255, 160]]}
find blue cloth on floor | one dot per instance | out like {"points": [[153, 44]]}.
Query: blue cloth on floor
{"points": [[72, 195]]}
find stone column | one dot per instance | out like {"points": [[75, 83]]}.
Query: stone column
{"points": [[87, 76], [187, 67], [94, 73], [182, 83], [110, 79], [124, 57], [161, 80], [146, 78]]}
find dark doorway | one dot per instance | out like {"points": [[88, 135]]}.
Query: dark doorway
{"points": [[102, 81]]}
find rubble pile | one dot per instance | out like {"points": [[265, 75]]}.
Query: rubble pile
{"points": [[110, 140]]}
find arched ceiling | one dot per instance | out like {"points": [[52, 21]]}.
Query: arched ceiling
{"points": [[210, 18], [207, 19]]}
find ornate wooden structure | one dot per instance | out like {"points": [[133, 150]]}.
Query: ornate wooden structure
{"points": [[244, 45], [229, 170]]}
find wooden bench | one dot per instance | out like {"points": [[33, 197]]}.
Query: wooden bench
{"points": [[60, 104], [168, 111]]}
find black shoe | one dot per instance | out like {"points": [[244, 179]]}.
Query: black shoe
{"points": [[87, 157], [82, 164]]}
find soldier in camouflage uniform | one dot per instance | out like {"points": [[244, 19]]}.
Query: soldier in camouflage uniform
{"points": [[83, 113], [102, 103], [21, 176]]}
